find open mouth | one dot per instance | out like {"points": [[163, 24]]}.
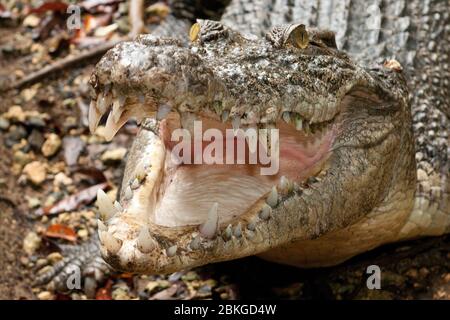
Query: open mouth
{"points": [[226, 198]]}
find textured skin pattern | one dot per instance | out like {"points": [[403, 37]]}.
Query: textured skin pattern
{"points": [[416, 33]]}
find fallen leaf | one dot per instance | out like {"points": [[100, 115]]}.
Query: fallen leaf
{"points": [[105, 292], [74, 201], [50, 6], [61, 232]]}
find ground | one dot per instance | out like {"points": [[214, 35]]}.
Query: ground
{"points": [[48, 156]]}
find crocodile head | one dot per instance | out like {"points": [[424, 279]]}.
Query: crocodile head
{"points": [[337, 136]]}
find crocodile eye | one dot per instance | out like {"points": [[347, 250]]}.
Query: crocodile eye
{"points": [[194, 31], [291, 34], [298, 37], [207, 30]]}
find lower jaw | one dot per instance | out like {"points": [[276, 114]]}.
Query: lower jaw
{"points": [[145, 236], [187, 192]]}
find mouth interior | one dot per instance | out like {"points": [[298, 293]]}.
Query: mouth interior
{"points": [[188, 191]]}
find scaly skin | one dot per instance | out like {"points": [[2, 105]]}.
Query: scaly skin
{"points": [[372, 191]]}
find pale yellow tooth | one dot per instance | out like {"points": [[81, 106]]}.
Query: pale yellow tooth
{"points": [[228, 232], [237, 232], [103, 102], [298, 123], [272, 199], [171, 251], [145, 243], [209, 228], [265, 212], [94, 116], [101, 226], [118, 206], [236, 122], [286, 116], [111, 127], [252, 138], [106, 207], [117, 109], [111, 243]]}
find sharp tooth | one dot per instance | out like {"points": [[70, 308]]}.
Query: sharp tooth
{"points": [[265, 212], [228, 232], [236, 122], [225, 115], [104, 101], [252, 224], [171, 251], [112, 127], [94, 116], [117, 109], [298, 123], [118, 206], [238, 230], [111, 243], [252, 139], [135, 184], [286, 116], [163, 111], [145, 243], [105, 205], [128, 193], [285, 185], [187, 121], [306, 128], [209, 228], [101, 226], [195, 243], [272, 199]]}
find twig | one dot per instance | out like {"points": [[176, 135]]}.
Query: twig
{"points": [[136, 17], [63, 64]]}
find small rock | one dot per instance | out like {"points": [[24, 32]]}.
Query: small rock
{"points": [[83, 234], [29, 93], [33, 202], [36, 172], [15, 114], [36, 139], [62, 180], [31, 243], [115, 155], [31, 21], [54, 257], [22, 158], [14, 135], [41, 262], [51, 145], [36, 121], [45, 295], [121, 291], [4, 123]]}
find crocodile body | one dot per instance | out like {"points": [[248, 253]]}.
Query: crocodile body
{"points": [[386, 179]]}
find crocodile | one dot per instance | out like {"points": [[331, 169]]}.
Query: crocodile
{"points": [[359, 95]]}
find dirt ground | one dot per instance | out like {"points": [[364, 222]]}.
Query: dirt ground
{"points": [[413, 270]]}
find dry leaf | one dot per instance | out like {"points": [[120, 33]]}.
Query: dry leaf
{"points": [[61, 232]]}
